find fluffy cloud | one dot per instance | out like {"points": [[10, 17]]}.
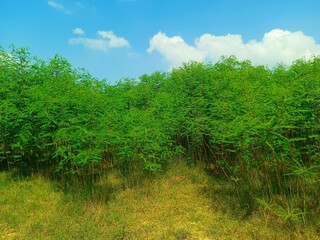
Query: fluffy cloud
{"points": [[276, 46], [78, 31], [104, 41], [113, 40], [174, 49], [59, 7]]}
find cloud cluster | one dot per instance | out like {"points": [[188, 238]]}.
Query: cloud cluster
{"points": [[174, 49], [276, 46], [104, 41], [59, 7]]}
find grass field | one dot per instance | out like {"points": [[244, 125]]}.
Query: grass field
{"points": [[182, 203]]}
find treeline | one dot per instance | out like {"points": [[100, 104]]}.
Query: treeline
{"points": [[256, 126]]}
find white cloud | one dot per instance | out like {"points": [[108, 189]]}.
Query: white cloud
{"points": [[113, 40], [276, 46], [78, 31], [105, 41], [59, 7], [96, 44], [174, 49]]}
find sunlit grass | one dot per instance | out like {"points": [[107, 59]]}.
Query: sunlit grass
{"points": [[182, 203]]}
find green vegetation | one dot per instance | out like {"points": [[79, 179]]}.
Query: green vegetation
{"points": [[255, 131]]}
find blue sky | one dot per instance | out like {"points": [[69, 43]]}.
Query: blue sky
{"points": [[127, 38]]}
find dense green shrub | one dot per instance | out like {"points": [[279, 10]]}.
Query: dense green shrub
{"points": [[249, 123]]}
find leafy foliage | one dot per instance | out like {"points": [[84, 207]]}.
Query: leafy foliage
{"points": [[246, 122]]}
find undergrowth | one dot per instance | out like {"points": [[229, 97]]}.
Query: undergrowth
{"points": [[181, 203]]}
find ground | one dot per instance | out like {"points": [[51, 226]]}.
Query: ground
{"points": [[182, 203]]}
